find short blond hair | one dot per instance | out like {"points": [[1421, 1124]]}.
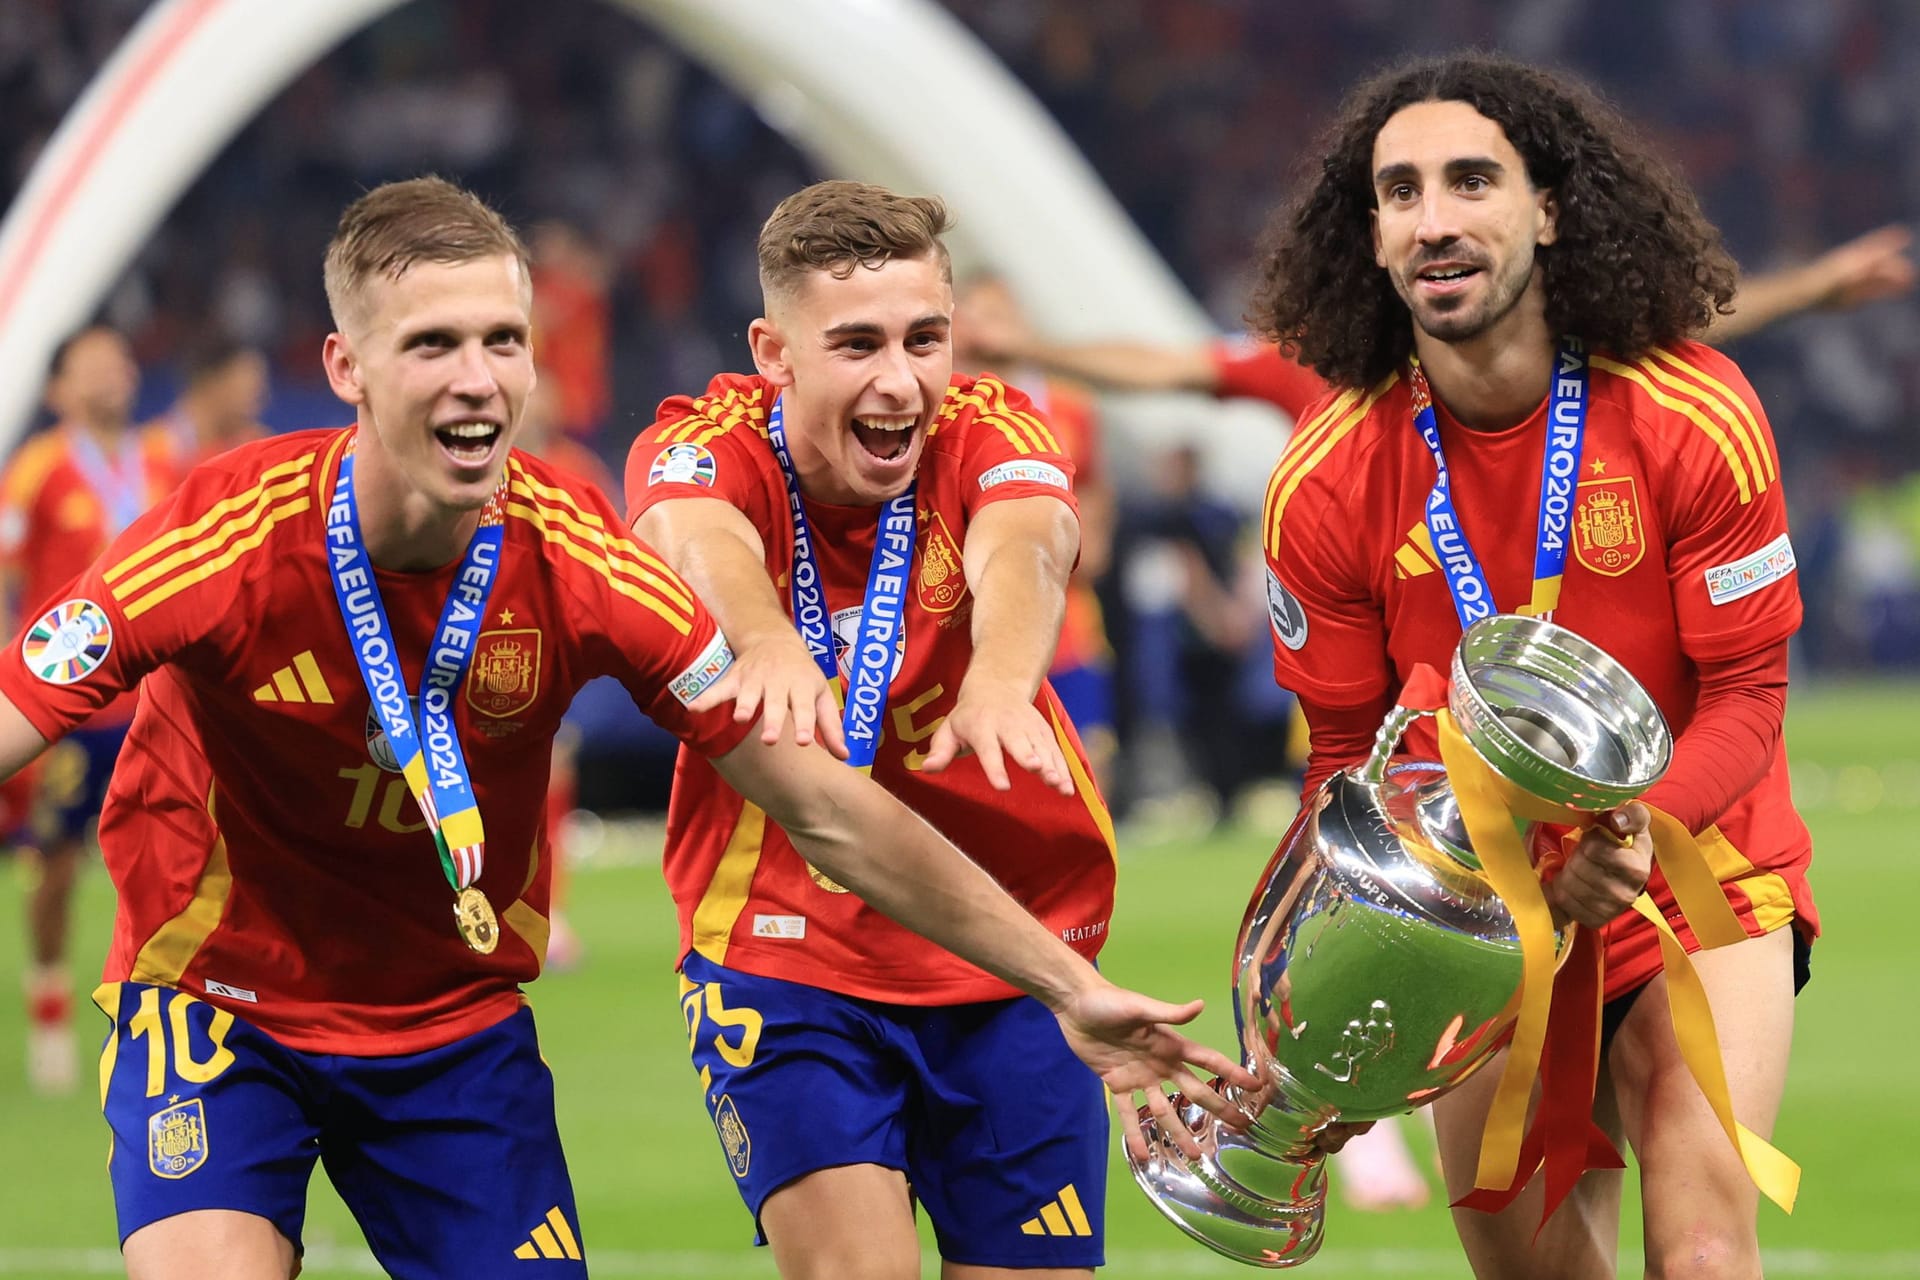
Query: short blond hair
{"points": [[398, 225], [838, 226]]}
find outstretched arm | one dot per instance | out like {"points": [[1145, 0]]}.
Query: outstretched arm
{"points": [[717, 550], [856, 832], [1867, 269], [1000, 334], [1018, 556]]}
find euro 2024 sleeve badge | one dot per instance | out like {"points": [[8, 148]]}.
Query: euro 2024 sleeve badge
{"points": [[69, 642]]}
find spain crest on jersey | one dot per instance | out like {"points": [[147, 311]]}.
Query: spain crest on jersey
{"points": [[942, 579], [1606, 526], [177, 1139], [505, 676]]}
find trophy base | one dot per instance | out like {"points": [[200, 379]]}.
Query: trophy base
{"points": [[1204, 1200]]}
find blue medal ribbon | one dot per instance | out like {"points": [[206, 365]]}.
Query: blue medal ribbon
{"points": [[122, 489], [429, 752], [1559, 472], [883, 613]]}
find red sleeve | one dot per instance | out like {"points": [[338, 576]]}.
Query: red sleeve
{"points": [[1339, 737], [1008, 449], [705, 448], [1249, 369], [95, 641], [1728, 747], [1329, 635], [1730, 563], [658, 638]]}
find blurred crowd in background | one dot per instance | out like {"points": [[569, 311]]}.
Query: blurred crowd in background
{"points": [[642, 181]]}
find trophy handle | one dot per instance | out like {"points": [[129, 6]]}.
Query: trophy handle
{"points": [[1392, 729]]}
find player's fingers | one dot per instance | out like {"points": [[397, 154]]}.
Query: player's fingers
{"points": [[726, 689], [1053, 767], [992, 764], [827, 723], [1210, 1059], [1161, 1107], [775, 722], [1152, 1010], [1630, 819], [941, 751], [802, 710], [746, 702], [1131, 1132]]}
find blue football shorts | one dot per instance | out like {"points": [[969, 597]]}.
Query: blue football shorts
{"points": [[449, 1159], [1001, 1132], [72, 784]]}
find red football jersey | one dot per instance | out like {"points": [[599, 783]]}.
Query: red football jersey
{"points": [[1252, 369], [1679, 553], [746, 898], [54, 521], [267, 855]]}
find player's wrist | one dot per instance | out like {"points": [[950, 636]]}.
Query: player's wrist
{"points": [[1075, 982]]}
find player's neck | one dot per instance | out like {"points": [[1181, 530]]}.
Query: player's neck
{"points": [[201, 421], [107, 433], [404, 529], [1497, 379], [813, 472]]}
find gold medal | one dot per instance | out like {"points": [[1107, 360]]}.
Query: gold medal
{"points": [[478, 926]]}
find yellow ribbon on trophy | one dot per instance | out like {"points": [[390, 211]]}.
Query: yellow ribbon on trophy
{"points": [[1488, 805]]}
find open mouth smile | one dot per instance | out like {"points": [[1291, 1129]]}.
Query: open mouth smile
{"points": [[885, 437], [469, 442]]}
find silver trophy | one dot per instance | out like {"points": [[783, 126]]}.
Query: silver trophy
{"points": [[1376, 969]]}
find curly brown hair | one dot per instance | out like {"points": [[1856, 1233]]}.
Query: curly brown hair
{"points": [[1635, 264]]}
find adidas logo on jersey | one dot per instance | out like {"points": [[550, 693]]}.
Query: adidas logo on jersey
{"points": [[1061, 1216], [551, 1239], [298, 681], [1415, 556]]}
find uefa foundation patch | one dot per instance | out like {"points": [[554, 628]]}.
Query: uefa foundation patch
{"points": [[1743, 577], [704, 671], [69, 642]]}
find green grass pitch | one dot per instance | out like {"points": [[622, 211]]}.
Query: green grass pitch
{"points": [[656, 1199]]}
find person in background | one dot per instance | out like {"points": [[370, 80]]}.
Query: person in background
{"points": [[572, 309], [66, 493], [226, 388], [1082, 670], [1866, 269], [540, 436]]}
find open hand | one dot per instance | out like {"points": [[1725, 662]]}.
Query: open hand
{"points": [[998, 725], [1130, 1042], [1866, 268], [780, 681]]}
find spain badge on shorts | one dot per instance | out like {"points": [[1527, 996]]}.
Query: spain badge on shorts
{"points": [[177, 1138], [733, 1136]]}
